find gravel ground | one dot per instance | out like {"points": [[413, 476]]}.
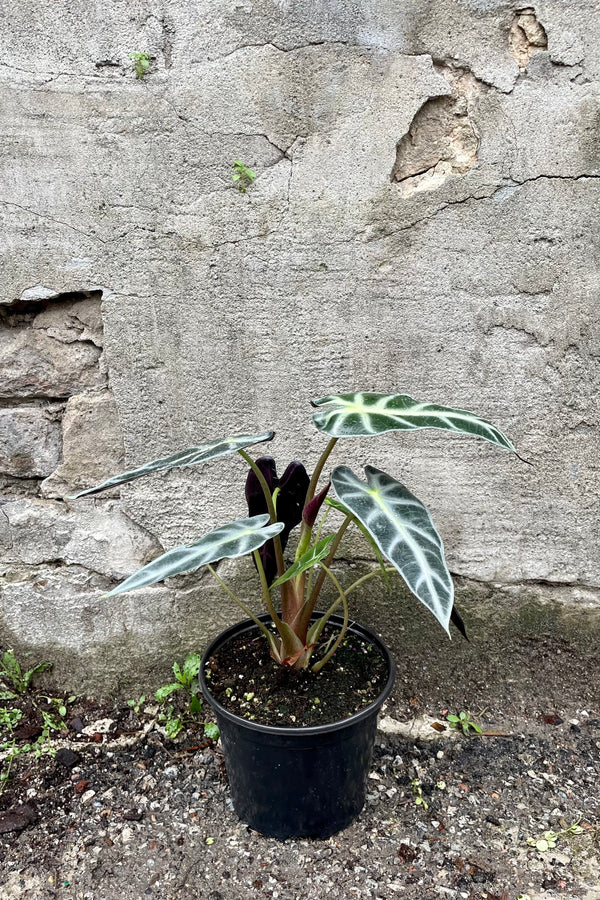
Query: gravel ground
{"points": [[134, 815]]}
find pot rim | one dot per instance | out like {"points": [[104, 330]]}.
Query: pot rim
{"points": [[307, 730]]}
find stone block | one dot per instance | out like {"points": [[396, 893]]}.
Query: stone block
{"points": [[34, 364], [96, 535], [92, 445], [30, 442]]}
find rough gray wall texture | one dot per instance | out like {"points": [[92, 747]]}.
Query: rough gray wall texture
{"points": [[425, 219]]}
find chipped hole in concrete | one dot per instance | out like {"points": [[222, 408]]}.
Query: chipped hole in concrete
{"points": [[34, 301], [527, 36], [442, 139]]}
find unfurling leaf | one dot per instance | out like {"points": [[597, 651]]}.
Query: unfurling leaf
{"points": [[312, 556], [311, 510], [192, 457], [404, 532], [227, 542], [365, 414]]}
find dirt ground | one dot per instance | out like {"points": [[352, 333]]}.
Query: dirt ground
{"points": [[134, 814]]}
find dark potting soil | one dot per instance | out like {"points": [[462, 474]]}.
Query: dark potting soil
{"points": [[244, 678]]}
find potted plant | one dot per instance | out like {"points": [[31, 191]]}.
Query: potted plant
{"points": [[294, 768]]}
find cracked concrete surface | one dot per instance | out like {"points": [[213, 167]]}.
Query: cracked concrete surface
{"points": [[470, 279]]}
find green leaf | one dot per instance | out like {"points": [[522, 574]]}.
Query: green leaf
{"points": [[229, 541], [178, 673], [173, 727], [404, 532], [191, 666], [312, 556], [195, 705], [166, 690], [35, 671], [365, 414], [192, 457], [211, 731], [365, 533], [8, 695]]}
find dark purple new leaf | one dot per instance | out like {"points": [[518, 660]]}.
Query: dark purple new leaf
{"points": [[289, 502], [255, 497], [293, 486]]}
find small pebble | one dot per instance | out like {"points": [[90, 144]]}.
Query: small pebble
{"points": [[67, 758]]}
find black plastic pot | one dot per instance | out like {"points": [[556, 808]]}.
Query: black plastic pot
{"points": [[298, 782]]}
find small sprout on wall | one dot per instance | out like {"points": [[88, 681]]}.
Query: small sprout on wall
{"points": [[141, 63], [242, 176]]}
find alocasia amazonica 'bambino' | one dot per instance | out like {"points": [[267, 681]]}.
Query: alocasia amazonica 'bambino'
{"points": [[397, 525]]}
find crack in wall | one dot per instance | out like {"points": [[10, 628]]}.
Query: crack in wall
{"points": [[495, 189], [34, 212]]}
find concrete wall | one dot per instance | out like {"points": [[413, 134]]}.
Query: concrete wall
{"points": [[424, 220]]}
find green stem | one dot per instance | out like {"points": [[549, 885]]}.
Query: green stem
{"points": [[243, 607], [309, 604], [265, 587], [364, 578], [305, 531], [319, 665], [317, 539], [312, 487]]}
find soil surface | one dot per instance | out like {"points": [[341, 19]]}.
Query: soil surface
{"points": [[244, 678], [123, 813]]}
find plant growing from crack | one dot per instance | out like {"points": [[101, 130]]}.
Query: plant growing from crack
{"points": [[243, 176], [396, 524], [141, 62]]}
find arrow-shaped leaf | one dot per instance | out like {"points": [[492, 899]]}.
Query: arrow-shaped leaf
{"points": [[365, 414], [228, 541], [365, 533], [191, 457], [307, 560], [403, 530]]}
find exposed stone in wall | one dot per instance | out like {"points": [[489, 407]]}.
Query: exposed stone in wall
{"points": [[442, 139], [30, 441], [92, 444], [59, 423], [48, 347], [527, 36], [101, 537]]}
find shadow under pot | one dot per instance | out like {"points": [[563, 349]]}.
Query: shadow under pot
{"points": [[298, 781]]}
